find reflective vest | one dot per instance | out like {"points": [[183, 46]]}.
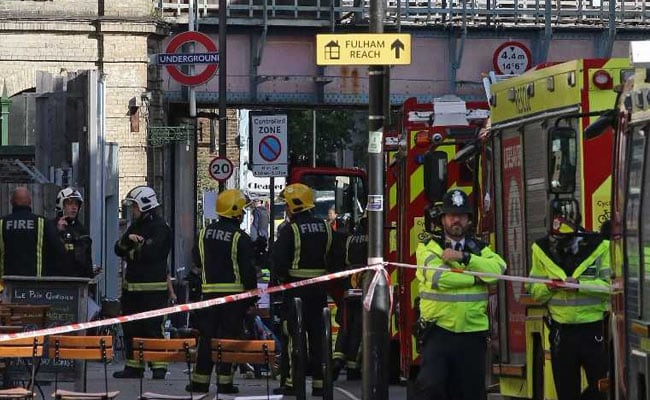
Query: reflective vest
{"points": [[454, 301], [573, 306]]}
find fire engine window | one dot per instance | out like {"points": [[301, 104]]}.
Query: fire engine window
{"points": [[645, 226], [633, 252]]}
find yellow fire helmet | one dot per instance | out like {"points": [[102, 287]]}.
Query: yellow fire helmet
{"points": [[231, 203], [298, 197]]}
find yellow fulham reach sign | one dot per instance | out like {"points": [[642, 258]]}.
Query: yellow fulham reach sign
{"points": [[363, 49]]}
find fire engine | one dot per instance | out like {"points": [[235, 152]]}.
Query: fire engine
{"points": [[420, 168], [544, 108], [630, 229]]}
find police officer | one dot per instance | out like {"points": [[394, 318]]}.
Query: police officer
{"points": [[223, 258], [348, 313], [453, 306], [303, 250], [77, 260], [29, 245], [577, 327], [144, 246]]}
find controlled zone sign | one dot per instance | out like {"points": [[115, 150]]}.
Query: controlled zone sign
{"points": [[363, 49], [171, 60], [220, 169], [269, 144]]}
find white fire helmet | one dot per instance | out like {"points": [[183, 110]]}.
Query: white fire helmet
{"points": [[68, 193], [143, 196]]}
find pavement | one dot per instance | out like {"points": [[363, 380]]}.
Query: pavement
{"points": [[177, 378]]}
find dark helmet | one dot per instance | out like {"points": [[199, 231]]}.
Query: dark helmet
{"points": [[565, 217], [456, 202]]}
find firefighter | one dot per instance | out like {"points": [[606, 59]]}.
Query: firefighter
{"points": [[144, 246], [348, 313], [577, 316], [453, 324], [29, 244], [303, 250], [78, 245], [223, 259]]}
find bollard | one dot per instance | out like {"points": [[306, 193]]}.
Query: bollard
{"points": [[299, 352], [328, 385]]}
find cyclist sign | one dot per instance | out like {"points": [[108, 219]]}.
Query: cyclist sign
{"points": [[220, 169]]}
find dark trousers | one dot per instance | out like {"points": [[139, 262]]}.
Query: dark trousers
{"points": [[348, 339], [135, 302], [225, 321], [574, 346], [312, 311], [453, 366]]}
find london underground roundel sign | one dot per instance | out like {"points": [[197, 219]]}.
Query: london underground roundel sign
{"points": [[178, 41], [512, 58]]}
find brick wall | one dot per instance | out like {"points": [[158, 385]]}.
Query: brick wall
{"points": [[61, 36], [204, 181]]}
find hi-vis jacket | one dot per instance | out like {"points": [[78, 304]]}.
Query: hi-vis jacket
{"points": [[224, 253], [146, 262], [455, 301], [591, 263]]}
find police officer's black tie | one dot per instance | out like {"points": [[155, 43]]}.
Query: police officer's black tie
{"points": [[459, 246]]}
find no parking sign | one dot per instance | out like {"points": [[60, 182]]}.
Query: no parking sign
{"points": [[269, 144]]}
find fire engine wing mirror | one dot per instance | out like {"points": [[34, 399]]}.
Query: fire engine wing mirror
{"points": [[435, 175], [596, 128], [562, 155]]}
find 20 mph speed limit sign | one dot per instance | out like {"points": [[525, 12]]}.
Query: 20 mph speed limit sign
{"points": [[220, 168]]}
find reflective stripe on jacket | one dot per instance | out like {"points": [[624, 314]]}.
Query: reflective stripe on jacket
{"points": [[573, 306], [455, 301]]}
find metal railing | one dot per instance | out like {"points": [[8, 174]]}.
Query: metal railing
{"points": [[596, 13]]}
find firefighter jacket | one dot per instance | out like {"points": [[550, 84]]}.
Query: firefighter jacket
{"points": [[146, 262], [224, 253], [454, 301], [77, 260], [588, 262], [29, 244], [303, 248], [356, 254]]}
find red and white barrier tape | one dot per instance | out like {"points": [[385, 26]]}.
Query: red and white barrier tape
{"points": [[378, 268], [511, 278], [186, 307]]}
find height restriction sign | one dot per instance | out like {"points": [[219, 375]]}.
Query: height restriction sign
{"points": [[268, 135]]}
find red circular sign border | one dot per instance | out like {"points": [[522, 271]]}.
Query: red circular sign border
{"points": [[259, 148], [216, 159], [179, 40], [521, 45]]}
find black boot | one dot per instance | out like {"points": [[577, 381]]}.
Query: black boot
{"points": [[354, 374], [285, 390], [227, 388], [196, 387], [158, 373], [337, 366], [129, 373]]}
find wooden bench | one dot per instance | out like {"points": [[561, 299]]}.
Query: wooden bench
{"points": [[99, 348], [242, 352], [166, 350], [22, 348]]}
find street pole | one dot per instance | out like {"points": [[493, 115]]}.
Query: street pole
{"points": [[222, 83], [376, 319]]}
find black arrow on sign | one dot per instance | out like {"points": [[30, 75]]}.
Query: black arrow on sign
{"points": [[397, 46]]}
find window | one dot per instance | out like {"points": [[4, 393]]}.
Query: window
{"points": [[636, 152]]}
